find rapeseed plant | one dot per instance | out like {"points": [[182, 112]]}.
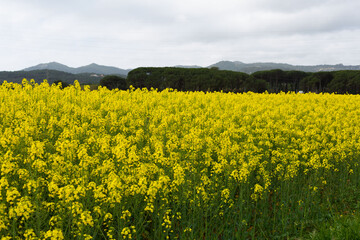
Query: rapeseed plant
{"points": [[140, 164]]}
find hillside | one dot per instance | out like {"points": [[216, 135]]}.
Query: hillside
{"points": [[50, 75]]}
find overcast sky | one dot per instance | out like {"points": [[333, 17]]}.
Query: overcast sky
{"points": [[134, 33]]}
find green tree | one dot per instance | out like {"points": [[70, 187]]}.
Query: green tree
{"points": [[256, 85], [353, 84], [187, 79], [293, 80], [114, 81], [63, 84], [310, 83]]}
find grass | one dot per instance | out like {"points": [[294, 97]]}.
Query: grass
{"points": [[340, 227]]}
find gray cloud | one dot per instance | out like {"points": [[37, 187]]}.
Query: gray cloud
{"points": [[161, 32]]}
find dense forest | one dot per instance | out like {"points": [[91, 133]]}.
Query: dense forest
{"points": [[187, 79], [204, 79]]}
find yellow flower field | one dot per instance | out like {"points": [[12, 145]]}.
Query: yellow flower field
{"points": [[139, 164]]}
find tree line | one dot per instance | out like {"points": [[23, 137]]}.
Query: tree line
{"points": [[209, 79], [213, 79]]}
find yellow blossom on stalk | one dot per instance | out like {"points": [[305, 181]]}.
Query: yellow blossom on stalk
{"points": [[258, 190], [125, 214], [187, 229], [36, 150], [30, 234], [225, 194], [24, 208], [3, 217], [4, 184], [86, 218], [54, 221], [178, 175], [167, 220], [12, 194], [55, 234], [126, 233]]}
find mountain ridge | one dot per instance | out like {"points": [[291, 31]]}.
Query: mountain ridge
{"points": [[263, 66], [236, 66], [91, 68]]}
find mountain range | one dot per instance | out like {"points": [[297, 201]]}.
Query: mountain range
{"points": [[262, 66], [236, 66], [91, 68]]}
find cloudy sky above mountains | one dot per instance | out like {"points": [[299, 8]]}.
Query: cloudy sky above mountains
{"points": [[133, 33]]}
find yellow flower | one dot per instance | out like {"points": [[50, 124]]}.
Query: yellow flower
{"points": [[30, 234], [12, 194], [55, 234], [86, 218]]}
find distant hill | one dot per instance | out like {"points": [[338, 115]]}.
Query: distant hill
{"points": [[261, 66], [50, 66], [91, 68], [188, 66], [100, 69]]}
